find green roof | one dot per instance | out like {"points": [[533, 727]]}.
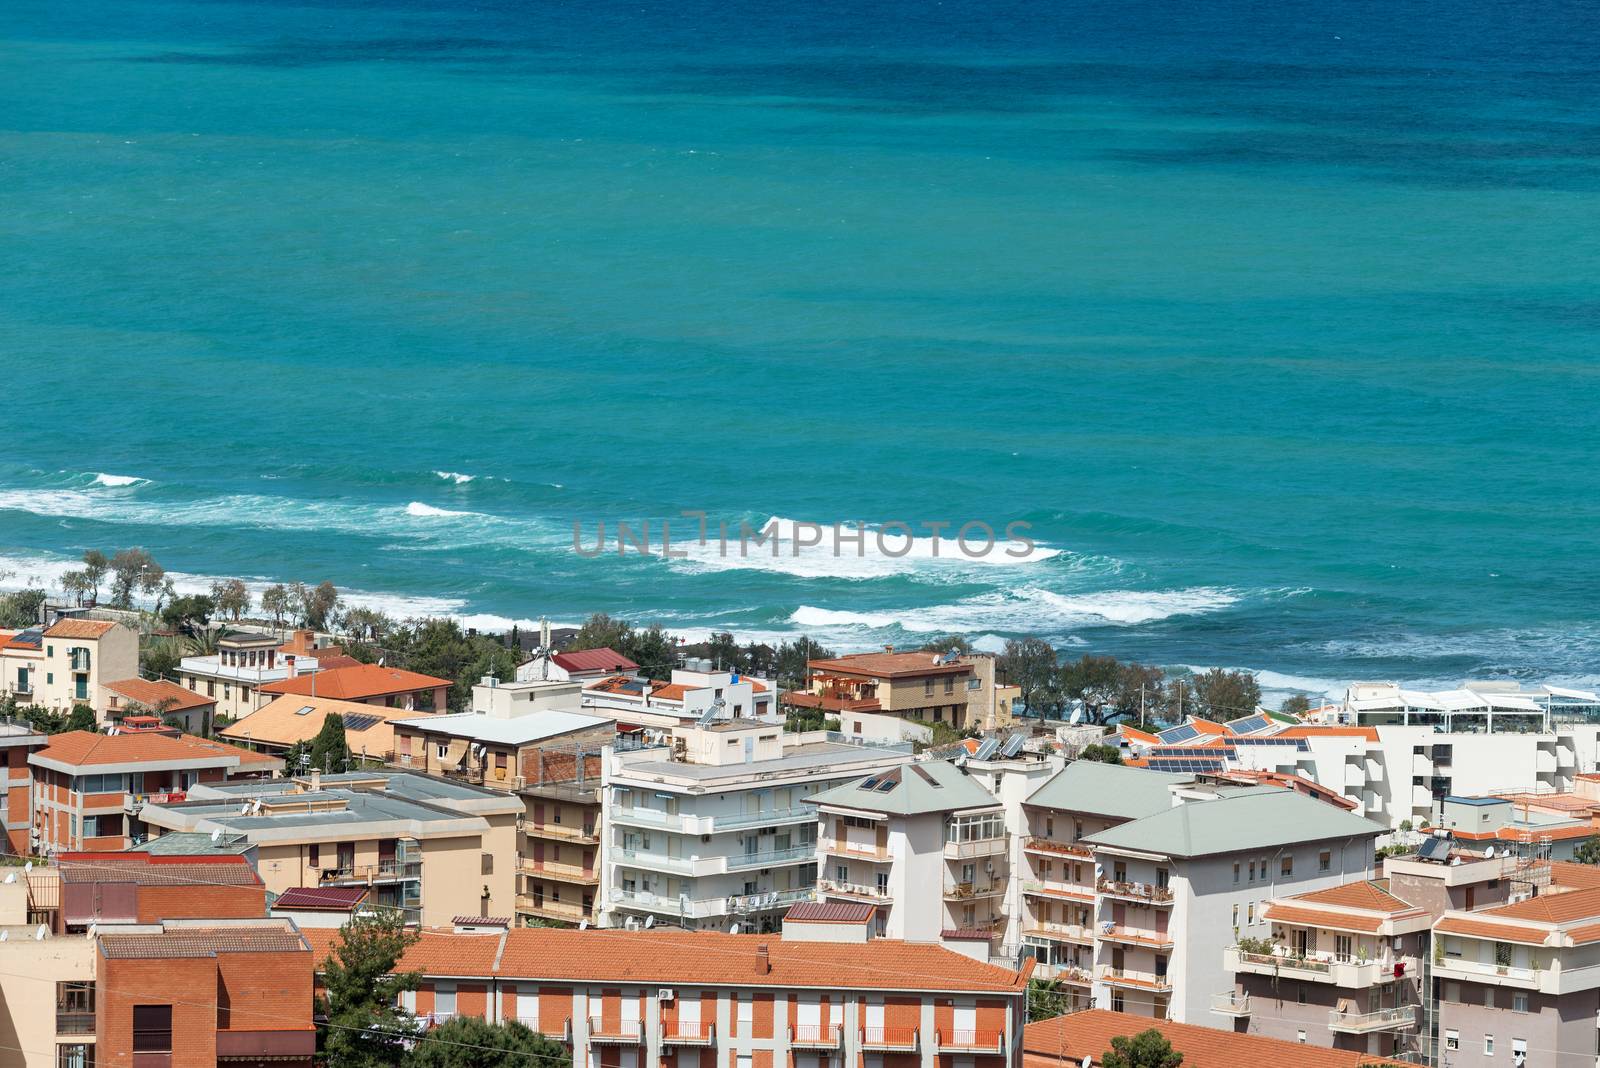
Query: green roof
{"points": [[1112, 790], [910, 789], [196, 843], [1256, 817]]}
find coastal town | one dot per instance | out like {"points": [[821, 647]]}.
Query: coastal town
{"points": [[310, 835]]}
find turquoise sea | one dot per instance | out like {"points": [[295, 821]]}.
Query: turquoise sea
{"points": [[1277, 321]]}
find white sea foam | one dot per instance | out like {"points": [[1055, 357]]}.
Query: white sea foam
{"points": [[1029, 609], [455, 476], [417, 508], [118, 481]]}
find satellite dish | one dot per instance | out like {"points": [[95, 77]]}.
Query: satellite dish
{"points": [[11, 877], [216, 834], [583, 925], [1076, 718], [734, 929], [28, 866], [1488, 852], [38, 936], [5, 936], [1088, 1062], [649, 922]]}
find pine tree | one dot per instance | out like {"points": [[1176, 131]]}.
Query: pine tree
{"points": [[469, 1042], [329, 750], [1147, 1049], [365, 1026]]}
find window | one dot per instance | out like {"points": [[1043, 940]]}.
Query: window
{"points": [[841, 873], [1452, 1039], [1252, 871], [1286, 868], [1502, 954], [1250, 913], [1325, 860], [444, 999], [152, 1029], [443, 751], [1519, 1003], [1049, 826], [949, 685], [75, 1055], [487, 864], [747, 1019], [1236, 914], [927, 687], [1236, 874], [1488, 1045], [313, 855], [1519, 1052], [211, 687], [883, 883], [1300, 1036], [1117, 1003]]}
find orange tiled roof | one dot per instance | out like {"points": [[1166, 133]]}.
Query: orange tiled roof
{"points": [[356, 683], [1574, 876], [86, 747], [1551, 908], [279, 723], [1313, 731], [1067, 1040], [248, 759], [1526, 834], [1134, 734], [1332, 918], [153, 694], [202, 942], [1371, 895], [78, 628], [1206, 726], [1460, 925], [889, 665]]}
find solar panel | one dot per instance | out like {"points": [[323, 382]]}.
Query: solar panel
{"points": [[1435, 849], [1191, 766], [359, 721], [1013, 745], [1248, 724], [987, 749], [1190, 752], [1183, 733]]}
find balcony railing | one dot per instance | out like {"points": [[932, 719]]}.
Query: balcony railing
{"points": [[528, 904], [682, 1033], [1050, 846], [983, 847], [1230, 1004], [975, 890], [563, 873], [816, 1036], [383, 871], [895, 1039], [69, 1022], [1150, 892], [1360, 1023], [560, 1031], [803, 813], [1080, 933], [770, 900], [1161, 984], [860, 891], [840, 847], [771, 858], [1137, 936], [986, 1041], [1069, 891], [615, 1032], [560, 832]]}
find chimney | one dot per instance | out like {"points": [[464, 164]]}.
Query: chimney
{"points": [[316, 779], [288, 662], [888, 648], [490, 681], [763, 962], [647, 695]]}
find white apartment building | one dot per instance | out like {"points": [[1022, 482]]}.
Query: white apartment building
{"points": [[924, 845], [67, 663], [243, 663], [1137, 881], [713, 829], [696, 691]]}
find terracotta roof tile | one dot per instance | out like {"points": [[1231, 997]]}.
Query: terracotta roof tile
{"points": [[321, 898], [79, 628], [1460, 925], [889, 665], [87, 748], [1311, 731], [356, 683], [280, 723], [1574, 876], [1069, 1039], [1331, 918], [1551, 908], [153, 694], [1369, 894], [829, 912], [225, 869], [202, 942], [594, 660]]}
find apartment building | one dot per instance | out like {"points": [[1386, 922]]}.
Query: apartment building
{"points": [[508, 700], [243, 663], [1082, 1038], [198, 993], [580, 666], [961, 691], [67, 662], [368, 684], [47, 995], [166, 701], [1123, 860], [432, 847], [632, 999], [697, 690], [1342, 967], [549, 759], [281, 723], [713, 830], [17, 741], [926, 847], [89, 790]]}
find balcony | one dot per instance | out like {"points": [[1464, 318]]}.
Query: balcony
{"points": [[544, 909], [975, 891], [1047, 847], [1402, 1018], [561, 873], [615, 1032], [889, 1039], [560, 832], [816, 1036], [986, 1041], [1230, 1004], [1129, 980], [559, 1031], [651, 861], [838, 847], [385, 871], [1137, 936], [1079, 933], [134, 802], [768, 818], [771, 858], [1498, 974], [694, 908], [69, 1022], [1059, 891], [1143, 893], [688, 1033], [772, 899], [265, 1045], [984, 847], [854, 891], [644, 817], [1066, 974], [1350, 974]]}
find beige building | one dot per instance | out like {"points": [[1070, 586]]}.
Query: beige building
{"points": [[434, 848], [47, 998], [961, 691], [244, 662], [68, 662]]}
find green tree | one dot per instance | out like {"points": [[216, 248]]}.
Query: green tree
{"points": [[1588, 851], [368, 624], [159, 657], [1030, 665], [949, 643], [653, 649], [95, 566], [297, 759], [320, 605], [329, 749], [364, 1026], [724, 652], [1295, 705], [76, 585], [1101, 754], [1222, 695], [1147, 1049], [21, 608], [231, 597], [791, 660], [134, 571], [275, 603], [81, 718], [472, 1042], [600, 631], [1047, 999], [1094, 680], [188, 615]]}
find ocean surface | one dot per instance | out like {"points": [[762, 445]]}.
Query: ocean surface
{"points": [[1278, 322]]}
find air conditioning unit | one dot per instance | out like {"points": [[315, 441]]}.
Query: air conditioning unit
{"points": [[988, 867], [665, 994]]}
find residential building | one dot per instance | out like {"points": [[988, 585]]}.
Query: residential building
{"points": [[16, 778], [142, 887], [961, 691], [243, 663], [551, 761], [282, 722], [47, 991], [368, 684], [322, 906], [696, 690], [1559, 821], [1342, 967], [190, 711], [198, 993], [89, 789], [1519, 984], [1121, 860], [581, 666], [690, 998], [713, 829], [432, 847], [506, 700], [1083, 1038], [926, 847], [68, 662]]}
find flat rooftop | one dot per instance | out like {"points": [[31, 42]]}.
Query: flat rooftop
{"points": [[800, 758]]}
